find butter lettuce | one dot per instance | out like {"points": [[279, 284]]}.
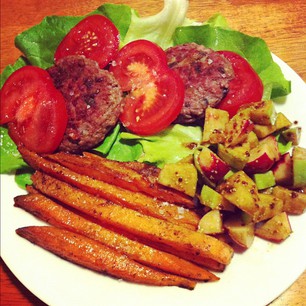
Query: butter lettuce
{"points": [[116, 148], [168, 146], [158, 28], [21, 61], [125, 150], [39, 43], [10, 157]]}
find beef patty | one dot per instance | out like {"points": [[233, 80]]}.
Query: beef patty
{"points": [[206, 75], [93, 98]]}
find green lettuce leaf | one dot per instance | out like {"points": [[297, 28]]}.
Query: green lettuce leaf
{"points": [[23, 177], [168, 146], [109, 141], [8, 70], [125, 150], [10, 157], [218, 20], [39, 43], [114, 147], [119, 14], [158, 28]]}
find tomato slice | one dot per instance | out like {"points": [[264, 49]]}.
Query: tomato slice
{"points": [[34, 110], [95, 37], [17, 87], [245, 88], [154, 108], [134, 58], [155, 94]]}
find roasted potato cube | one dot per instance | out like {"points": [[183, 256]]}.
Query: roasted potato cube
{"points": [[241, 233], [241, 191], [214, 125], [211, 223], [180, 176], [276, 229], [294, 202], [268, 206]]}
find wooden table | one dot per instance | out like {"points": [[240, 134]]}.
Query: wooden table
{"points": [[281, 23]]}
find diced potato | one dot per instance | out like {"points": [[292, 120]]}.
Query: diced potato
{"points": [[214, 200], [276, 229], [283, 170], [263, 131], [236, 157], [251, 141], [180, 176], [187, 159], [210, 165], [241, 191], [263, 112], [211, 223], [214, 125], [281, 122], [242, 234], [294, 202], [237, 129], [293, 135], [263, 157], [268, 206]]}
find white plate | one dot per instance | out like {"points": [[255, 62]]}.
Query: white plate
{"points": [[255, 277]]}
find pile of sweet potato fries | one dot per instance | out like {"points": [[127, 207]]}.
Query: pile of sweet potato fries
{"points": [[115, 218]]}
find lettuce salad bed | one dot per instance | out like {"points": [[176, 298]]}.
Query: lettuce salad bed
{"points": [[167, 28]]}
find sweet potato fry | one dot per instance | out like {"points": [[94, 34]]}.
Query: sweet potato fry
{"points": [[117, 173], [30, 189], [99, 170], [207, 263], [143, 168], [96, 256], [58, 216], [134, 200], [177, 238]]}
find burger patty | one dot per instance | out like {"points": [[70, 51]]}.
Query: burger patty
{"points": [[93, 98], [206, 75]]}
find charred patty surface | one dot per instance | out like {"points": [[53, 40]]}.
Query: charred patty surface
{"points": [[94, 101], [206, 75]]}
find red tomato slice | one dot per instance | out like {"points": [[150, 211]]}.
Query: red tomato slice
{"points": [[152, 112], [245, 88], [134, 58], [18, 87], [155, 93], [95, 37], [34, 110]]}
